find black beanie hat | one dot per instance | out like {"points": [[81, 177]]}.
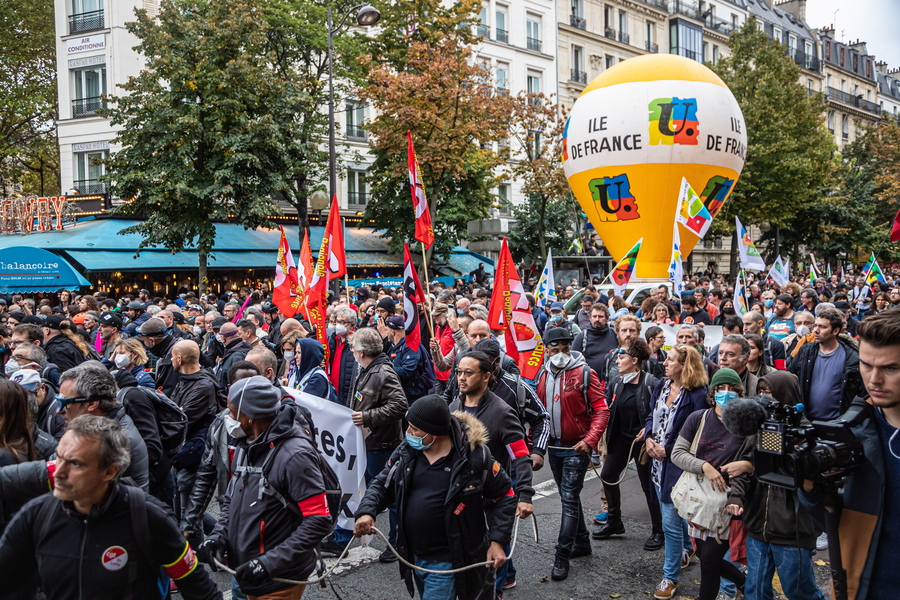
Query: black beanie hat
{"points": [[430, 414], [387, 304]]}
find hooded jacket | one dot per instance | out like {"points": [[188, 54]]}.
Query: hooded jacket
{"points": [[308, 376], [378, 395], [479, 508], [851, 382], [166, 375], [235, 351], [412, 368], [198, 394], [772, 514], [506, 438], [594, 344], [63, 352], [131, 329], [255, 523], [570, 416]]}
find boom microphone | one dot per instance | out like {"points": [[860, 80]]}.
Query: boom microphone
{"points": [[744, 416]]}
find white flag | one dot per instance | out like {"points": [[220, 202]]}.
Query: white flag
{"points": [[676, 267], [779, 272], [740, 300], [546, 287], [750, 257]]}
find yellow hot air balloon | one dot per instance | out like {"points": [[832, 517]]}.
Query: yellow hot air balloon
{"points": [[637, 131]]}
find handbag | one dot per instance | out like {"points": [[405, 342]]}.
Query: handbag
{"points": [[695, 499]]}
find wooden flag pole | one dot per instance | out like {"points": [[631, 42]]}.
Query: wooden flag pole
{"points": [[428, 317]]}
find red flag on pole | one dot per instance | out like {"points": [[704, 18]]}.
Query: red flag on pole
{"points": [[424, 227], [304, 273], [895, 230], [334, 231], [330, 264], [412, 297], [511, 313], [289, 295]]}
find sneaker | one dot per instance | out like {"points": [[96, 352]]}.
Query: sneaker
{"points": [[387, 556], [601, 518], [596, 459], [560, 568], [687, 557], [330, 547], [724, 596], [822, 542], [509, 585], [666, 589]]}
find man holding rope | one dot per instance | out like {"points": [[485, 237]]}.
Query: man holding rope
{"points": [[442, 474]]}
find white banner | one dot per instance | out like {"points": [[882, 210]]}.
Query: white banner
{"points": [[342, 444], [713, 335]]}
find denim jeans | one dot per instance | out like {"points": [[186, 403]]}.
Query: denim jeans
{"points": [[568, 469], [432, 586], [375, 463], [236, 592], [677, 539], [794, 567]]}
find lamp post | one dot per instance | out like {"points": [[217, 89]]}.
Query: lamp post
{"points": [[365, 17]]}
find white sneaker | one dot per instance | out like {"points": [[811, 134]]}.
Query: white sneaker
{"points": [[724, 596], [822, 542]]}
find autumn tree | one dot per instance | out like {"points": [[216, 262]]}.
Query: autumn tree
{"points": [[199, 141], [789, 150], [430, 84]]}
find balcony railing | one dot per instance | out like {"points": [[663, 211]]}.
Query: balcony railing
{"points": [[89, 186], [483, 31], [355, 132], [662, 4], [610, 33], [533, 44], [807, 61], [651, 47], [502, 36], [690, 54], [684, 7], [624, 37], [845, 135], [850, 99], [578, 76], [358, 198], [721, 25], [86, 21], [576, 21], [85, 107]]}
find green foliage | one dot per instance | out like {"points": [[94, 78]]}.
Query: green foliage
{"points": [[555, 227], [199, 138], [28, 101]]}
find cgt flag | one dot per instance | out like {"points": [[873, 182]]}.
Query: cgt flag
{"points": [[750, 257], [511, 313], [424, 226], [289, 294], [546, 287], [330, 264], [412, 297], [623, 271]]}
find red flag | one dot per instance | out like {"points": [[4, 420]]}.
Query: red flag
{"points": [[288, 294], [337, 258], [424, 227], [304, 273], [412, 297], [510, 312], [330, 264], [895, 230]]}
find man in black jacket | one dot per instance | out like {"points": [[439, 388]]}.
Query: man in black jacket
{"points": [[160, 344], [427, 477], [596, 341], [118, 561], [275, 511], [60, 349], [236, 350]]}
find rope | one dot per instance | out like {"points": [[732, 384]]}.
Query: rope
{"points": [[330, 570], [594, 469]]}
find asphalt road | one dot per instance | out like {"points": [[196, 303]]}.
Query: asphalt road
{"points": [[618, 568]]}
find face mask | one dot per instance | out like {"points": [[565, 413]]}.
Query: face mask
{"points": [[728, 311], [416, 443], [219, 338], [12, 367], [460, 312], [769, 303], [330, 329], [340, 329], [122, 361], [556, 319], [802, 330], [198, 330], [723, 397], [289, 356], [630, 377], [560, 360], [233, 427]]}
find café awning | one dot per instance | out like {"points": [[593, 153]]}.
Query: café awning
{"points": [[26, 270]]}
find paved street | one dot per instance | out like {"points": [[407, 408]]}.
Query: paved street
{"points": [[618, 568]]}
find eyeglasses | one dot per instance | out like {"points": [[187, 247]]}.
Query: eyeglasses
{"points": [[556, 343], [63, 403], [622, 351], [466, 373]]}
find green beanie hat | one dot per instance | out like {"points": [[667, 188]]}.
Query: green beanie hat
{"points": [[728, 376]]}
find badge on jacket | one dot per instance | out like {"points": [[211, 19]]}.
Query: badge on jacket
{"points": [[114, 558]]}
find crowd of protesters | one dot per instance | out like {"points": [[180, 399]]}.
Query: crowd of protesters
{"points": [[136, 411]]}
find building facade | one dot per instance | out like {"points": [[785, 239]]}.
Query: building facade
{"points": [[851, 87], [888, 90]]}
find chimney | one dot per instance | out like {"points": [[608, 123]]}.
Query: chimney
{"points": [[795, 7], [881, 66], [859, 47]]}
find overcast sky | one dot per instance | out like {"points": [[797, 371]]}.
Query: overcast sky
{"points": [[872, 21]]}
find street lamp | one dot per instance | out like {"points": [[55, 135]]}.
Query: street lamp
{"points": [[365, 17]]}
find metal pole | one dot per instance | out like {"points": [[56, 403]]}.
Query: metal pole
{"points": [[332, 168]]}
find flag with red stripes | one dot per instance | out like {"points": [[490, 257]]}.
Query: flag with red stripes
{"points": [[424, 226], [412, 297]]}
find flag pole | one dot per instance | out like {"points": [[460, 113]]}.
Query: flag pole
{"points": [[428, 317]]}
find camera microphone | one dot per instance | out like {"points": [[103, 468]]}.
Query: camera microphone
{"points": [[744, 416]]}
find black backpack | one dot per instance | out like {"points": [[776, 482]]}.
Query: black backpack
{"points": [[170, 419]]}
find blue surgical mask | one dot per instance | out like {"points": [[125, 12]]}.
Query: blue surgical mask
{"points": [[416, 443], [722, 397], [769, 303]]}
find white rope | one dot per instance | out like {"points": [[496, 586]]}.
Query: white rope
{"points": [[624, 471], [330, 570]]}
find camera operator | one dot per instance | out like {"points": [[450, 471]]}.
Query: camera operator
{"points": [[870, 519]]}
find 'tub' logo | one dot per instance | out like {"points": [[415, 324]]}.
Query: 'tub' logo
{"points": [[614, 198], [674, 121], [715, 193]]}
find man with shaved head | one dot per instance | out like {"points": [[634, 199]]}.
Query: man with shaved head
{"points": [[200, 397], [289, 325], [235, 349]]}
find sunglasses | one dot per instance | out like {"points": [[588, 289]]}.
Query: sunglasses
{"points": [[621, 351], [558, 343], [63, 403]]}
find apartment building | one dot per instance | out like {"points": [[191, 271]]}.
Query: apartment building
{"points": [[786, 23], [888, 90], [851, 87]]}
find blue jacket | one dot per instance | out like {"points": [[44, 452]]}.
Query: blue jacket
{"points": [[414, 379], [131, 329], [693, 401]]}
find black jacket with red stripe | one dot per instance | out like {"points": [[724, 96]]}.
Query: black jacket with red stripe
{"points": [[506, 439], [98, 556], [283, 524]]}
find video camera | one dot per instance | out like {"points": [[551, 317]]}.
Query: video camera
{"points": [[788, 451]]}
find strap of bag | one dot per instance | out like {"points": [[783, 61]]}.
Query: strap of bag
{"points": [[696, 441], [585, 386]]}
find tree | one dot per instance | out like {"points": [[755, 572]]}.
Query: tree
{"points": [[789, 150], [28, 103], [199, 141], [433, 88], [547, 217]]}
